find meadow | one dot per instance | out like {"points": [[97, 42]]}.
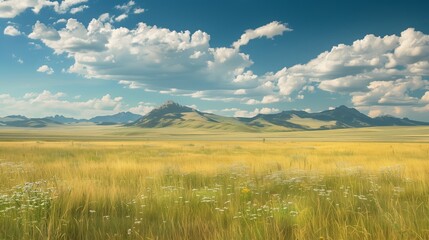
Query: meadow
{"points": [[312, 185]]}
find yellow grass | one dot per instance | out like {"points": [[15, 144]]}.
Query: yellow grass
{"points": [[311, 123], [213, 190]]}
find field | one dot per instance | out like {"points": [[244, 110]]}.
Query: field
{"points": [[117, 183]]}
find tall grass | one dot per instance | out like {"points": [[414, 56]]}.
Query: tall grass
{"points": [[213, 190]]}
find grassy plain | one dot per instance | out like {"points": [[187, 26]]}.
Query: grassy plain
{"points": [[119, 183]]}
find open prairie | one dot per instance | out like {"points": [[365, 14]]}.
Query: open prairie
{"points": [[118, 183]]}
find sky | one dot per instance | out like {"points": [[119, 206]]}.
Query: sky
{"points": [[83, 58]]}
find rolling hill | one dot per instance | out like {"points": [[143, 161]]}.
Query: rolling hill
{"points": [[21, 121], [119, 118], [172, 114]]}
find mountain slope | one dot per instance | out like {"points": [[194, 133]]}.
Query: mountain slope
{"points": [[62, 119], [21, 121], [172, 114], [393, 121], [119, 118]]}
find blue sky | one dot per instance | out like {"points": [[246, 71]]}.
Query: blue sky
{"points": [[83, 58]]}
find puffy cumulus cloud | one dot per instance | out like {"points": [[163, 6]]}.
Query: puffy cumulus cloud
{"points": [[121, 17], [11, 31], [382, 71], [425, 98], [47, 103], [142, 108], [78, 9], [346, 84], [269, 31], [126, 7], [139, 10], [252, 101], [65, 5], [40, 31], [45, 69], [390, 93], [12, 8], [248, 114], [270, 99], [155, 57], [246, 76], [377, 111]]}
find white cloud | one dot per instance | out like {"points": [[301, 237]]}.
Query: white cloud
{"points": [[240, 92], [131, 84], [390, 93], [41, 31], [35, 45], [376, 111], [384, 71], [61, 20], [230, 110], [12, 8], [11, 31], [268, 110], [45, 69], [156, 57], [65, 5], [269, 31], [425, 97], [270, 99], [78, 9], [197, 54], [121, 17], [142, 108], [105, 17], [244, 77], [20, 61], [139, 10], [125, 7], [47, 103], [252, 102], [248, 114]]}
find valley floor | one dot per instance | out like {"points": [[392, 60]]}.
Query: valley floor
{"points": [[122, 183], [119, 133]]}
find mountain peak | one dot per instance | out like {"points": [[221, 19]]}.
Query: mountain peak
{"points": [[172, 107], [343, 107], [169, 104]]}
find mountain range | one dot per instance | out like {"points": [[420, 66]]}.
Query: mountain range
{"points": [[22, 121], [174, 115]]}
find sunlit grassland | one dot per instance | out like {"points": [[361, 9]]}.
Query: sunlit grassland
{"points": [[214, 190]]}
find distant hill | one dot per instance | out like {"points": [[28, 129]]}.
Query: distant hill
{"points": [[119, 118], [393, 121], [62, 119], [172, 114], [21, 121]]}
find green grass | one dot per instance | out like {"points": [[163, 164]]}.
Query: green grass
{"points": [[193, 189]]}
